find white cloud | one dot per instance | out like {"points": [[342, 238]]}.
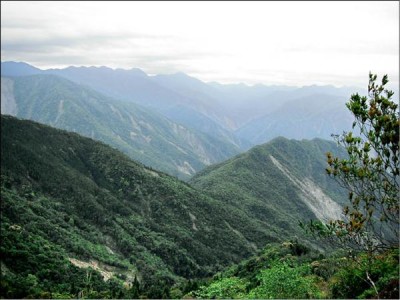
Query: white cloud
{"points": [[270, 42]]}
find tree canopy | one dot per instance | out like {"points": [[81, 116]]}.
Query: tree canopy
{"points": [[370, 173]]}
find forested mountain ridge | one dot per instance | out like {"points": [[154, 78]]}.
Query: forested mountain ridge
{"points": [[83, 220], [69, 203], [140, 133], [66, 194], [277, 183], [97, 206]]}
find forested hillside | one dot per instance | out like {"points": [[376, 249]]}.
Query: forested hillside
{"points": [[95, 207], [68, 200], [278, 184]]}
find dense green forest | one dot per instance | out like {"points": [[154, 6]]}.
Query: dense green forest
{"points": [[76, 202], [277, 184], [72, 218], [80, 219], [87, 201]]}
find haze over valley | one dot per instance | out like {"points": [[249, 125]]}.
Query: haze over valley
{"points": [[148, 117]]}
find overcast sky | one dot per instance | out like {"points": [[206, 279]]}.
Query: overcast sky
{"points": [[292, 43]]}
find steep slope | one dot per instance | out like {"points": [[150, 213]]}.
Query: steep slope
{"points": [[130, 85], [78, 201], [135, 86], [138, 132], [278, 183], [206, 110]]}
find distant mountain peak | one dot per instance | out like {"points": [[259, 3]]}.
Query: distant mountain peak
{"points": [[137, 71], [181, 74], [177, 75], [15, 68]]}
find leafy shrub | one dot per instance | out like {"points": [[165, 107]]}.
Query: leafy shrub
{"points": [[231, 287], [283, 281], [351, 281]]}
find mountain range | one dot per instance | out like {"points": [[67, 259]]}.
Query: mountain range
{"points": [[120, 184], [95, 207], [142, 134], [92, 160], [213, 108], [174, 123]]}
